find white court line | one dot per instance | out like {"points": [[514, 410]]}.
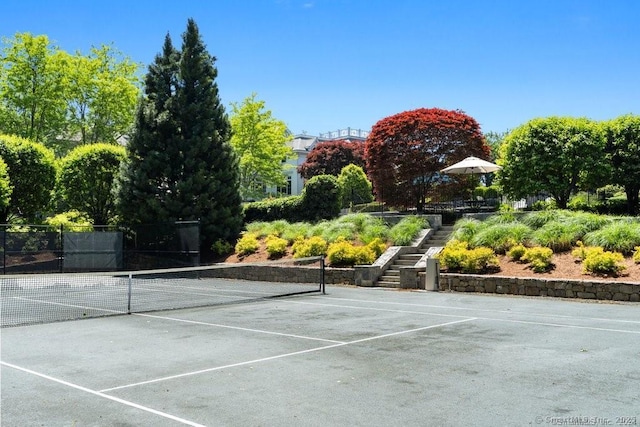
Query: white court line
{"points": [[558, 325], [281, 356], [218, 325], [105, 396], [562, 316]]}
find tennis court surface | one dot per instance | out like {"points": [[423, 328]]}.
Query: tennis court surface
{"points": [[350, 357]]}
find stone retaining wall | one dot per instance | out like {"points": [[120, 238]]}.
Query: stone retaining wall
{"points": [[275, 273], [564, 288]]}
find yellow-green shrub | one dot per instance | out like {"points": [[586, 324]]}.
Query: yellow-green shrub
{"points": [[636, 255], [313, 246], [343, 253], [603, 262], [456, 256], [581, 251], [276, 246], [247, 244], [539, 258], [364, 255], [479, 259], [453, 254], [378, 246], [516, 252]]}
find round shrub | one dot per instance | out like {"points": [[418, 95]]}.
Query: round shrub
{"points": [[539, 258], [248, 244], [321, 197], [603, 262], [313, 246], [276, 246], [516, 252]]}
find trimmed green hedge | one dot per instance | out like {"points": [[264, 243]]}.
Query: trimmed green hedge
{"points": [[320, 199]]}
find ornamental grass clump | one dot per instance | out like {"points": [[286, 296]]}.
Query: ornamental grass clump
{"points": [[375, 230], [465, 229], [265, 228], [619, 236], [537, 219], [404, 232], [339, 230], [294, 231], [556, 235], [501, 237]]}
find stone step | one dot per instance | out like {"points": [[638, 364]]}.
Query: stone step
{"points": [[384, 284], [412, 255], [405, 262], [389, 279]]}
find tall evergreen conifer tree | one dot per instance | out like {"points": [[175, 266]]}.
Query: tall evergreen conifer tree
{"points": [[181, 164]]}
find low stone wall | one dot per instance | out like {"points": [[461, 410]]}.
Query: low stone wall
{"points": [[275, 273], [564, 288]]}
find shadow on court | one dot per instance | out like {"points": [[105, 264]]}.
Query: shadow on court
{"points": [[365, 357]]}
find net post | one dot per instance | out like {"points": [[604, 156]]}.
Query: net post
{"points": [[322, 280], [129, 294]]}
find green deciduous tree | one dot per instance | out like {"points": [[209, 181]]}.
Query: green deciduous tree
{"points": [[260, 141], [32, 88], [623, 152], [61, 100], [554, 155], [86, 180], [355, 188], [180, 164], [32, 174], [5, 186], [101, 95]]}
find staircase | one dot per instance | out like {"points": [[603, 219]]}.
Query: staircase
{"points": [[391, 277]]}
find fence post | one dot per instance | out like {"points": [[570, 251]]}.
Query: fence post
{"points": [[322, 282], [129, 294], [61, 253], [4, 250]]}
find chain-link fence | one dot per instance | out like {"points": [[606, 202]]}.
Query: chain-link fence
{"points": [[40, 249]]}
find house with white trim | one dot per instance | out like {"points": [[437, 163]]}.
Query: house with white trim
{"points": [[302, 145]]}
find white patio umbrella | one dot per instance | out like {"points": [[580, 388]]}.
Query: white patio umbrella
{"points": [[471, 166]]}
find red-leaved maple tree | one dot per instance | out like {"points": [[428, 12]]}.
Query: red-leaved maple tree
{"points": [[405, 153], [329, 157]]}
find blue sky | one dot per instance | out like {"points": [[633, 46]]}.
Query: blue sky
{"points": [[322, 65]]}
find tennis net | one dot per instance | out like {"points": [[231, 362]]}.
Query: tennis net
{"points": [[41, 298]]}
